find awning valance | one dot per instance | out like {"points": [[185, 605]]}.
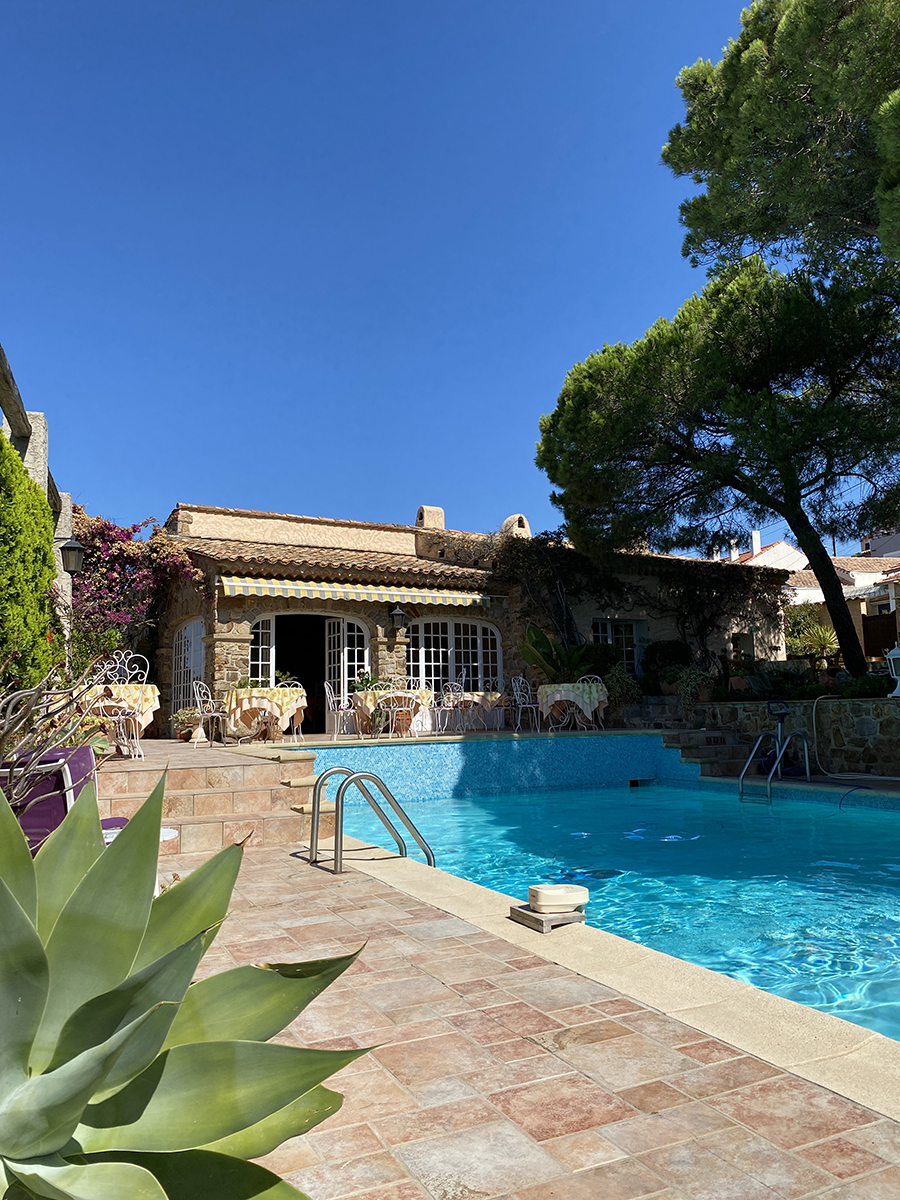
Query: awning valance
{"points": [[242, 585]]}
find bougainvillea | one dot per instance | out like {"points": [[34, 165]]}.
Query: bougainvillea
{"points": [[115, 597], [28, 647]]}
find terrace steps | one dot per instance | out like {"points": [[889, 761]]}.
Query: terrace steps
{"points": [[721, 753], [213, 797]]}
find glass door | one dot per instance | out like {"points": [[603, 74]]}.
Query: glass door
{"points": [[346, 653]]}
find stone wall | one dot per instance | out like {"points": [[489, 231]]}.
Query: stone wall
{"points": [[853, 735]]}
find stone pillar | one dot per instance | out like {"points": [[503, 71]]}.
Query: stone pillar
{"points": [[227, 657]]}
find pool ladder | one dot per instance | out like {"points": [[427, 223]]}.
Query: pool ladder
{"points": [[781, 748], [359, 779]]}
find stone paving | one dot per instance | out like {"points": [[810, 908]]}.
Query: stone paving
{"points": [[497, 1073]]}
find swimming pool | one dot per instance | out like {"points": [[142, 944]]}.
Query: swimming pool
{"points": [[801, 898]]}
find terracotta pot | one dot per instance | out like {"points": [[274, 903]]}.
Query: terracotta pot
{"points": [[668, 689]]}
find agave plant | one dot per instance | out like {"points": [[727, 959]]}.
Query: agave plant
{"points": [[119, 1078]]}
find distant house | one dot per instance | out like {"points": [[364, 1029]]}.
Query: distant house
{"points": [[883, 543], [321, 599]]}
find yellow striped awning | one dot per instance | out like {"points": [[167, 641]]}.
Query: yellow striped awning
{"points": [[243, 585]]}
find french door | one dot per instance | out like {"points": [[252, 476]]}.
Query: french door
{"points": [[346, 653]]}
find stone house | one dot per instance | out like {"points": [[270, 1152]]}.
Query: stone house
{"points": [[321, 599]]}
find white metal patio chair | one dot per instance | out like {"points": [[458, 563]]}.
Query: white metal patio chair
{"points": [[524, 701], [401, 709], [295, 726], [595, 720], [212, 712], [124, 668], [344, 716], [448, 711]]}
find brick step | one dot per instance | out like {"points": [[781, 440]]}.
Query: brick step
{"points": [[190, 803], [211, 833]]}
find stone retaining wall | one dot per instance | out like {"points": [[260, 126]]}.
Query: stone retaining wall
{"points": [[853, 735]]}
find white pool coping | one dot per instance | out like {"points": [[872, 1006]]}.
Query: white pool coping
{"points": [[854, 1062]]}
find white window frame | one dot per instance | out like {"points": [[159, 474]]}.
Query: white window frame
{"points": [[188, 662], [442, 648], [609, 631]]}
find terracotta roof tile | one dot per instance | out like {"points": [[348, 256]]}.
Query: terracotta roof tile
{"points": [[329, 563], [863, 563]]}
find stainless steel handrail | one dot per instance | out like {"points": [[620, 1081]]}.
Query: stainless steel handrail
{"points": [[776, 766], [756, 745], [358, 779]]}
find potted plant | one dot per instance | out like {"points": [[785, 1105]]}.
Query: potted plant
{"points": [[668, 679], [694, 687], [186, 721], [621, 689]]}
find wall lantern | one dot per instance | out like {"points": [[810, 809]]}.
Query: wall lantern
{"points": [[893, 662], [398, 618], [72, 553]]}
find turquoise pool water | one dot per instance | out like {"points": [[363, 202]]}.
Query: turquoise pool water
{"points": [[801, 898]]}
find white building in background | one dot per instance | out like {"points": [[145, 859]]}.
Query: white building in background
{"points": [[884, 543]]}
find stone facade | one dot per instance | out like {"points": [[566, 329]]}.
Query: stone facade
{"points": [[851, 735]]}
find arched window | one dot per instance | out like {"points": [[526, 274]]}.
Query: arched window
{"points": [[187, 663], [442, 651]]}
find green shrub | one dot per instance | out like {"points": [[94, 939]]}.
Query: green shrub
{"points": [[621, 688], [118, 1076], [27, 572]]}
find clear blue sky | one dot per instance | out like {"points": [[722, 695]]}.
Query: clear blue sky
{"points": [[332, 257]]}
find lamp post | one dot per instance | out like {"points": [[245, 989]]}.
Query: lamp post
{"points": [[72, 554], [893, 662]]}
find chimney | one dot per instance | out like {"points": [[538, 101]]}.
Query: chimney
{"points": [[755, 543], [733, 552]]}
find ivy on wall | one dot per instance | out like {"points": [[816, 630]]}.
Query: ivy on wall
{"points": [[702, 598], [29, 639]]}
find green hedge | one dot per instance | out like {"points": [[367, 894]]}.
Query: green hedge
{"points": [[27, 572]]}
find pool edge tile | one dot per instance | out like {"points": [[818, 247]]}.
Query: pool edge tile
{"points": [[854, 1062]]}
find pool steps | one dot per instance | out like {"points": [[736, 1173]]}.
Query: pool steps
{"points": [[214, 805], [719, 752]]}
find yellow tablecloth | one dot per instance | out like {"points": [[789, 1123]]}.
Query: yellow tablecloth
{"points": [[588, 696], [108, 699], [246, 704]]}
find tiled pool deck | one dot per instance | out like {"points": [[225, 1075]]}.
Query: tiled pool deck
{"points": [[499, 1073]]}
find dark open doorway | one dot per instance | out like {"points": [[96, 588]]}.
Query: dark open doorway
{"points": [[300, 653]]}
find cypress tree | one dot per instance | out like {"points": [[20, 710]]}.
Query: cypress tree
{"points": [[27, 572]]}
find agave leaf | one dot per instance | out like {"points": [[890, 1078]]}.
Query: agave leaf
{"points": [[193, 1095], [252, 1003], [57, 1179], [24, 980], [98, 933], [66, 857], [200, 1175], [190, 906], [40, 1115], [298, 1117], [16, 863], [166, 980]]}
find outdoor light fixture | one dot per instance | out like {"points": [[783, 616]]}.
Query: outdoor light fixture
{"points": [[893, 662], [398, 618], [72, 553]]}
